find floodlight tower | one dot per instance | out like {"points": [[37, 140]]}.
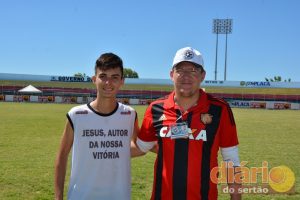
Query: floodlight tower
{"points": [[221, 26]]}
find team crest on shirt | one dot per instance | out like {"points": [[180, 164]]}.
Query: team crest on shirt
{"points": [[81, 112]]}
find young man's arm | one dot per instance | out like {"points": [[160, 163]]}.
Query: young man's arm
{"points": [[135, 151], [61, 161]]}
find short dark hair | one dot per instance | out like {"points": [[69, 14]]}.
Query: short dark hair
{"points": [[109, 61]]}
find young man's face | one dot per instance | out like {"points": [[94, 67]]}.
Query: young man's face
{"points": [[108, 82], [187, 79]]}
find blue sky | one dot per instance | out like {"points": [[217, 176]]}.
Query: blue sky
{"points": [[63, 37]]}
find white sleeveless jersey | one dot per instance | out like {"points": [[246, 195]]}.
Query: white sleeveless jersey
{"points": [[101, 153]]}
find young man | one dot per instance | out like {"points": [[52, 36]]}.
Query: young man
{"points": [[189, 127], [99, 134]]}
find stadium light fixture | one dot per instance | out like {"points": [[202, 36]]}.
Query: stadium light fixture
{"points": [[221, 26]]}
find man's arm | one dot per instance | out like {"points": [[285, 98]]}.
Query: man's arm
{"points": [[134, 148], [230, 154], [236, 195], [61, 161]]}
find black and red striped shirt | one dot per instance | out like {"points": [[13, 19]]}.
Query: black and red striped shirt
{"points": [[182, 168]]}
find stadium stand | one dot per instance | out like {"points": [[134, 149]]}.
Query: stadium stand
{"points": [[146, 94]]}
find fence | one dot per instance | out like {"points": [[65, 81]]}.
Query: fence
{"points": [[84, 95]]}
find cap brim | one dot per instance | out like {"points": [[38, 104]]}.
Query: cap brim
{"points": [[196, 65]]}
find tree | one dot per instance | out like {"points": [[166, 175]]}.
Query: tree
{"points": [[129, 73], [80, 75], [277, 79]]}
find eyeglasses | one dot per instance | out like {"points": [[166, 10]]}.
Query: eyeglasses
{"points": [[192, 71]]}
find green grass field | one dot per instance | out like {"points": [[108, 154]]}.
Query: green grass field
{"points": [[30, 135]]}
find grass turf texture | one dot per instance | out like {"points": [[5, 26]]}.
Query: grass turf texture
{"points": [[30, 135]]}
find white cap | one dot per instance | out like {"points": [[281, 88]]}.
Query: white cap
{"points": [[188, 54]]}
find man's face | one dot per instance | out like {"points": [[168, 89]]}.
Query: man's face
{"points": [[108, 82], [187, 79]]}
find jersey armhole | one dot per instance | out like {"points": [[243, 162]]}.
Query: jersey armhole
{"points": [[70, 121]]}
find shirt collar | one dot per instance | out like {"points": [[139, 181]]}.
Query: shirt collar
{"points": [[201, 103]]}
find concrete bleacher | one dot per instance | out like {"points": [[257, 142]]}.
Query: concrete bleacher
{"points": [[259, 97], [69, 89], [146, 94]]}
